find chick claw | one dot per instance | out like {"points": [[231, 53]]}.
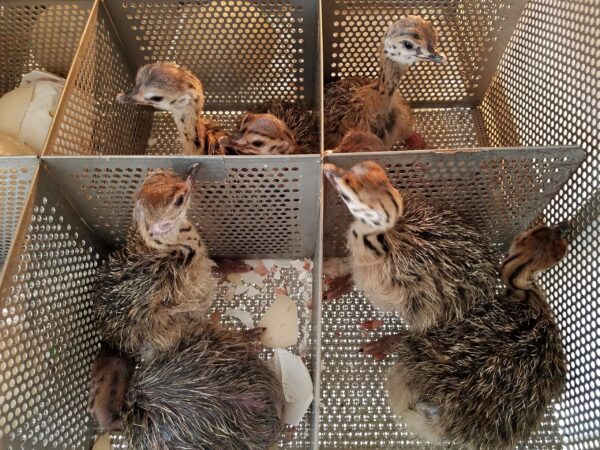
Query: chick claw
{"points": [[338, 287], [380, 348]]}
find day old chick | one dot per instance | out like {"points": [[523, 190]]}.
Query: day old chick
{"points": [[407, 256], [211, 391], [169, 87], [484, 382], [157, 287], [111, 372], [376, 105]]}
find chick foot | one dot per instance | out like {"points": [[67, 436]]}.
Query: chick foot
{"points": [[338, 286]]}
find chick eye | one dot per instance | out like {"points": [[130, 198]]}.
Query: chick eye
{"points": [[408, 45], [179, 201], [257, 143], [156, 98]]}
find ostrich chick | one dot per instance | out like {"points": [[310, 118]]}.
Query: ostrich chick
{"points": [[377, 106], [406, 256], [168, 87], [485, 381], [209, 392], [159, 285], [111, 372], [261, 134]]}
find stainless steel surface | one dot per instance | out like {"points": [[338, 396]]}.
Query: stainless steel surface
{"points": [[47, 338], [91, 120], [472, 35], [500, 191], [520, 74], [546, 92], [16, 177], [244, 207], [246, 52], [39, 35]]}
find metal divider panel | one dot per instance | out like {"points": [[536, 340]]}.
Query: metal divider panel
{"points": [[245, 52], [242, 206], [47, 338], [500, 191], [94, 123], [39, 35], [16, 176], [472, 35], [546, 92]]}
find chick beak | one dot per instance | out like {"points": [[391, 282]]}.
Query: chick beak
{"points": [[125, 97], [193, 173], [437, 58], [562, 228], [332, 172]]}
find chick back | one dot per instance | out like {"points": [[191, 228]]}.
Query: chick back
{"points": [[145, 300], [490, 377], [210, 392]]}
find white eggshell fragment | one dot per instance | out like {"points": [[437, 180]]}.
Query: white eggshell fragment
{"points": [[297, 384], [242, 316], [281, 323], [13, 107]]}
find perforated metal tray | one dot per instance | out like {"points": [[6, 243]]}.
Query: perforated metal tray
{"points": [[520, 74]]}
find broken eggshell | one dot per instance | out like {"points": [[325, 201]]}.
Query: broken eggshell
{"points": [[296, 382], [281, 323]]}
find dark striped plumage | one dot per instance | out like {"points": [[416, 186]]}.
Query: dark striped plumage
{"points": [[485, 381], [210, 392], [300, 120]]}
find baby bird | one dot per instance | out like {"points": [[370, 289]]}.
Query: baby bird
{"points": [[407, 256], [168, 87], [377, 106], [260, 134], [484, 382], [111, 372], [209, 392], [159, 285], [359, 141]]}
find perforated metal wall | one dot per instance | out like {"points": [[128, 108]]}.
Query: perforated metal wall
{"points": [[472, 35], [39, 35], [46, 343], [546, 93], [243, 207], [91, 122], [16, 176], [247, 51], [500, 191]]}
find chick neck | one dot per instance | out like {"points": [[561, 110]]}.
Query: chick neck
{"points": [[390, 74], [188, 124]]}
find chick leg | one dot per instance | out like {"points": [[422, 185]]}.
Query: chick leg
{"points": [[338, 286]]}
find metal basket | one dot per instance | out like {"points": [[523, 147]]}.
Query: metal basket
{"points": [[517, 105]]}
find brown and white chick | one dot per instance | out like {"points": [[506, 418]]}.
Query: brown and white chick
{"points": [[111, 372], [485, 382], [260, 134], [426, 264], [157, 287], [376, 105], [168, 87]]}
